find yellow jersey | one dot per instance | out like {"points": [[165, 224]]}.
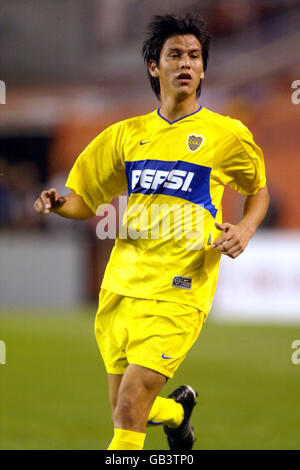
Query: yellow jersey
{"points": [[175, 174]]}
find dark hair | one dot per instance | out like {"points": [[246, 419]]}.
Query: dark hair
{"points": [[162, 28]]}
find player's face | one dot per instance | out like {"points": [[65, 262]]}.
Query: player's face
{"points": [[180, 67]]}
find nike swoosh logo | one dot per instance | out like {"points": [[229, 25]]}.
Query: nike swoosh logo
{"points": [[166, 357], [143, 143]]}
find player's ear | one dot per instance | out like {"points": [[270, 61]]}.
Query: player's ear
{"points": [[153, 69], [202, 75]]}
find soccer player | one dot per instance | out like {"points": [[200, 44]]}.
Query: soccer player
{"points": [[159, 285]]}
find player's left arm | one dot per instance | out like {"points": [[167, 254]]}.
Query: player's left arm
{"points": [[235, 238]]}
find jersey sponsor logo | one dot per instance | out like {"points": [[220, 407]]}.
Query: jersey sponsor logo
{"points": [[182, 282], [194, 142], [174, 178], [143, 143], [150, 178]]}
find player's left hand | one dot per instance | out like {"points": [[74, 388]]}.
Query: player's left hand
{"points": [[233, 241]]}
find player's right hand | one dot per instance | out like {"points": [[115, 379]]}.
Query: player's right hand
{"points": [[48, 201]]}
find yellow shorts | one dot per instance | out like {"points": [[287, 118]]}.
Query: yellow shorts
{"points": [[151, 333]]}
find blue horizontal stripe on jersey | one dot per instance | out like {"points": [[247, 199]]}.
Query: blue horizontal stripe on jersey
{"points": [[141, 179]]}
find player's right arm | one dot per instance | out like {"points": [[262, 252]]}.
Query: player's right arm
{"points": [[71, 206], [97, 176]]}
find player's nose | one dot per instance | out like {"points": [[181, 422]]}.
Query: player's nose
{"points": [[185, 62]]}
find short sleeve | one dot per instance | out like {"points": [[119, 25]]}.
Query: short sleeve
{"points": [[242, 164], [98, 174]]}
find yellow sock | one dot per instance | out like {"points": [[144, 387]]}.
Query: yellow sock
{"points": [[127, 440], [166, 411]]}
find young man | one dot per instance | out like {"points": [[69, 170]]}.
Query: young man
{"points": [[158, 289]]}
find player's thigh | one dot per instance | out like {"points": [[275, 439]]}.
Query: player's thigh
{"points": [[161, 334], [111, 332]]}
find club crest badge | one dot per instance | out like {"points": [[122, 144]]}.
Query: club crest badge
{"points": [[194, 142]]}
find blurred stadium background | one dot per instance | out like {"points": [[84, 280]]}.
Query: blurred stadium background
{"points": [[71, 68]]}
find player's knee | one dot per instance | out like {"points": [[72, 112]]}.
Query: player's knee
{"points": [[126, 411]]}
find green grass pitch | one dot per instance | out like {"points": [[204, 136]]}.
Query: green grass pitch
{"points": [[53, 387]]}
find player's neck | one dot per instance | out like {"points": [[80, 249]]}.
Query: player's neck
{"points": [[173, 109]]}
